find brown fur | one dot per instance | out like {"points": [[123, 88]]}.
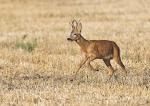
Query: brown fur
{"points": [[96, 49]]}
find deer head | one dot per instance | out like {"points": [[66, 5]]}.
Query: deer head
{"points": [[76, 31]]}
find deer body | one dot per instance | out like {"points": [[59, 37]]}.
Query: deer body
{"points": [[101, 49], [96, 49]]}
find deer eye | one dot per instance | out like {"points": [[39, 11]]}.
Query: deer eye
{"points": [[74, 35]]}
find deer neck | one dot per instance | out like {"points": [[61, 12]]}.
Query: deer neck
{"points": [[83, 43]]}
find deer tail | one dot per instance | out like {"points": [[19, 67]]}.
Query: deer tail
{"points": [[116, 55]]}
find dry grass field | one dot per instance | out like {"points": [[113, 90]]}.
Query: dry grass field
{"points": [[36, 60]]}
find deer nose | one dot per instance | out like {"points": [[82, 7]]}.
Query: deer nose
{"points": [[69, 39]]}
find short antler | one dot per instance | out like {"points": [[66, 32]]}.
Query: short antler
{"points": [[74, 23], [79, 27]]}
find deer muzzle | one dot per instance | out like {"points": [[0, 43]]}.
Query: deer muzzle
{"points": [[69, 39]]}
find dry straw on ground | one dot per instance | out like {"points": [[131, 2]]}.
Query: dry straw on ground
{"points": [[41, 76]]}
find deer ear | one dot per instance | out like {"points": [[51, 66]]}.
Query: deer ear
{"points": [[79, 26], [74, 24]]}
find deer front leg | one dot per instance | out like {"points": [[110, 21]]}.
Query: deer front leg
{"points": [[89, 63], [79, 66]]}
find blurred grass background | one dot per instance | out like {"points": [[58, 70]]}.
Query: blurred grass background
{"points": [[41, 76]]}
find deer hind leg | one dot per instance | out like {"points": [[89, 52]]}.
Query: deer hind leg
{"points": [[110, 68], [89, 63], [119, 62]]}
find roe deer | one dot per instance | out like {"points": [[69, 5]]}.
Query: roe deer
{"points": [[95, 49]]}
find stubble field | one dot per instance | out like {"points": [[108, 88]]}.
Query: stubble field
{"points": [[36, 60]]}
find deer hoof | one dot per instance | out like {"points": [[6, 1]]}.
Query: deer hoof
{"points": [[71, 79], [95, 70]]}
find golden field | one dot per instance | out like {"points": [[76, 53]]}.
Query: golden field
{"points": [[36, 60]]}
